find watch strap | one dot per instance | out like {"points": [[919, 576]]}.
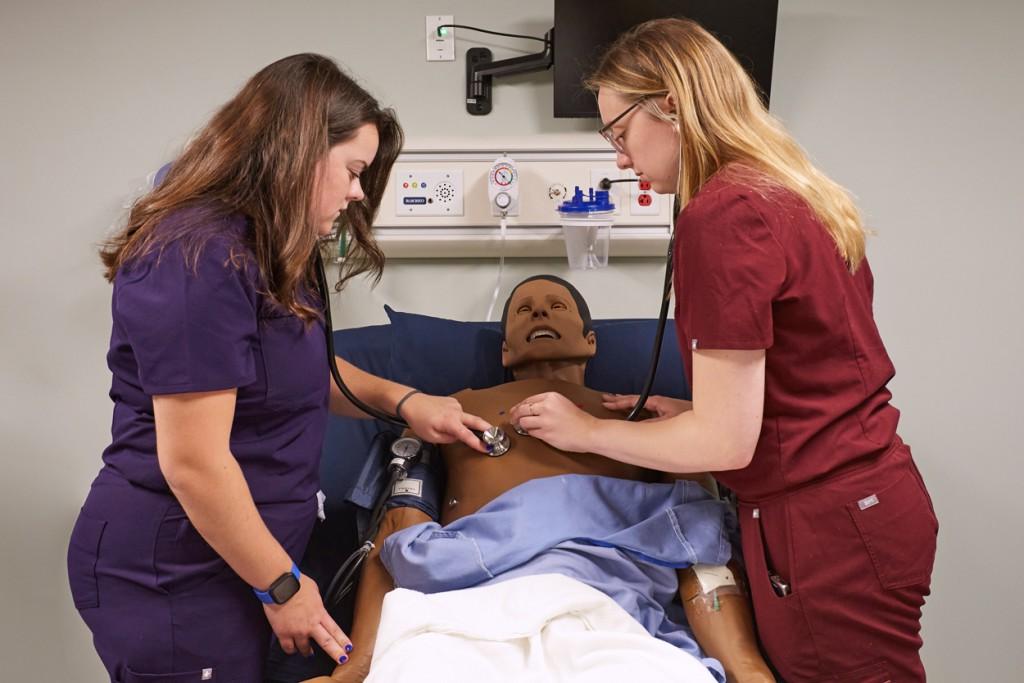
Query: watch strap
{"points": [[265, 596]]}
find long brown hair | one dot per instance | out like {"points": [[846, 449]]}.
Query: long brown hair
{"points": [[721, 120], [258, 155]]}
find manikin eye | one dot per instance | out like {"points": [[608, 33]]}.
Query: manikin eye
{"points": [[523, 309], [558, 306]]}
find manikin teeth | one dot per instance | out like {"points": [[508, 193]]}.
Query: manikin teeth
{"points": [[547, 334]]}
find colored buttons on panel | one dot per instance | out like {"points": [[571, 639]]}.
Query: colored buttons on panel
{"points": [[429, 193], [416, 200]]}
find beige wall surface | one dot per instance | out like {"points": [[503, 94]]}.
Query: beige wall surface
{"points": [[915, 105]]}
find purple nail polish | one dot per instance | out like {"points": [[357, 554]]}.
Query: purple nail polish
{"points": [[342, 659], [348, 648]]}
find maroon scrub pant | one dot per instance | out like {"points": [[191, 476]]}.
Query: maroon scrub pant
{"points": [[162, 606], [856, 553]]}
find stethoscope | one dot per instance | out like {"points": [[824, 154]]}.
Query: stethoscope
{"points": [[494, 437], [405, 449]]}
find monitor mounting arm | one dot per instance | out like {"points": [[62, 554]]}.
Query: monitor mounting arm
{"points": [[480, 71]]}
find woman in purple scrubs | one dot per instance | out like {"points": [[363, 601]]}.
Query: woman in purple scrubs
{"points": [[182, 561]]}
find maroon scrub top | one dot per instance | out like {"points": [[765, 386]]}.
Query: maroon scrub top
{"points": [[183, 327], [756, 269]]}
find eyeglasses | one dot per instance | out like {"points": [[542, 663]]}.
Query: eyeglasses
{"points": [[606, 130]]}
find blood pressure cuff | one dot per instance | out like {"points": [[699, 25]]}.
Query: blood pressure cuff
{"points": [[426, 495], [422, 486]]}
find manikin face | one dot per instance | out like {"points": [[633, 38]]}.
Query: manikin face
{"points": [[651, 145], [338, 176], [544, 325]]}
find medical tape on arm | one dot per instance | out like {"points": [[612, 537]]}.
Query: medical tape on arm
{"points": [[713, 583]]}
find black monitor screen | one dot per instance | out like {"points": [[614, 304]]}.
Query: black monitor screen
{"points": [[585, 28]]}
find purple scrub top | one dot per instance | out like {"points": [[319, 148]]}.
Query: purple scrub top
{"points": [[179, 327]]}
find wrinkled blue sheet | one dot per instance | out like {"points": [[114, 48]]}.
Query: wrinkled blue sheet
{"points": [[622, 537]]}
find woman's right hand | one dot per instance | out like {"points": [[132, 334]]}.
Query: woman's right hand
{"points": [[303, 617], [663, 407]]}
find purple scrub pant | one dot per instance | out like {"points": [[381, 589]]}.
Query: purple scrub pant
{"points": [[163, 607]]}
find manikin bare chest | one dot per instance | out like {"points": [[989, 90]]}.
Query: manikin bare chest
{"points": [[475, 479]]}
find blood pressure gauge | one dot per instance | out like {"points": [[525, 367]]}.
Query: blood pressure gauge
{"points": [[404, 450], [503, 187]]}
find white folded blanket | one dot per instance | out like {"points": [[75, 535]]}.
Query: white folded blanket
{"points": [[528, 630]]}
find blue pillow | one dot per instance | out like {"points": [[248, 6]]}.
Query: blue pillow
{"points": [[442, 356]]}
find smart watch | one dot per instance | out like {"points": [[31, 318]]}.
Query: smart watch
{"points": [[282, 589]]}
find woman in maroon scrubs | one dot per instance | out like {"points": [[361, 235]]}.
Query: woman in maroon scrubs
{"points": [[790, 406]]}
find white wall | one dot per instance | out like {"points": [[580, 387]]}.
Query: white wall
{"points": [[915, 105]]}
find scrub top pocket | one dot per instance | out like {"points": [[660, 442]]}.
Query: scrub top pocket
{"points": [[886, 520], [294, 360], [83, 554]]}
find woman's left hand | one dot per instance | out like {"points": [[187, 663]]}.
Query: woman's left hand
{"points": [[440, 419], [553, 418]]}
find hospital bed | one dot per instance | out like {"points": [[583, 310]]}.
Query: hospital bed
{"points": [[440, 357]]}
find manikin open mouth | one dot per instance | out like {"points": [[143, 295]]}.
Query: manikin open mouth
{"points": [[543, 333]]}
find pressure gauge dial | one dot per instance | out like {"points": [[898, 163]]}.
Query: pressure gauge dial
{"points": [[406, 447], [504, 176]]}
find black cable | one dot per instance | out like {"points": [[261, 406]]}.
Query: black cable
{"points": [[606, 183], [658, 336], [321, 277], [345, 578], [493, 33]]}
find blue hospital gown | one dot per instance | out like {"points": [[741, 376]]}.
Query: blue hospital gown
{"points": [[624, 538]]}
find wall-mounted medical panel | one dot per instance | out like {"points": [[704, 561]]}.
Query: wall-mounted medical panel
{"points": [[437, 205], [420, 192]]}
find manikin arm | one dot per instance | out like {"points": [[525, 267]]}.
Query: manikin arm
{"points": [[374, 584], [718, 610], [722, 622]]}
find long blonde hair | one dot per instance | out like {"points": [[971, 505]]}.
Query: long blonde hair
{"points": [[722, 120]]}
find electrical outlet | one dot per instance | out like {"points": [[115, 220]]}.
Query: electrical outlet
{"points": [[616, 193], [440, 48], [643, 200]]}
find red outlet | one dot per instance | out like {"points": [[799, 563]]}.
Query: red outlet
{"points": [[644, 199], [645, 186]]}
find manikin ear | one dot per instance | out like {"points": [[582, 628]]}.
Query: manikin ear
{"points": [[504, 354], [592, 339]]}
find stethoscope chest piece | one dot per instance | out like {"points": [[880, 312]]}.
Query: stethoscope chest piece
{"points": [[497, 442]]}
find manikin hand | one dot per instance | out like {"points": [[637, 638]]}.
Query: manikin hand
{"points": [[355, 671], [662, 406], [440, 419], [553, 418]]}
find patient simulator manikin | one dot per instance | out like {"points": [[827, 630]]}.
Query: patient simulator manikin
{"points": [[547, 346]]}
